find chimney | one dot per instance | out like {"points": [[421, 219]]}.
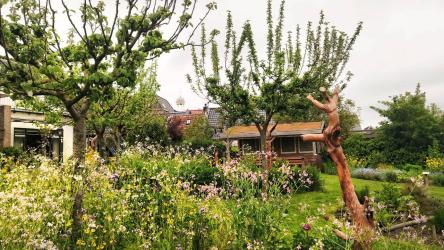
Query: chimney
{"points": [[205, 109]]}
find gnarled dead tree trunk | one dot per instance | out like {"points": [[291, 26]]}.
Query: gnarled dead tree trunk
{"points": [[361, 214]]}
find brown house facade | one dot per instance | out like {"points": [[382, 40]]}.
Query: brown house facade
{"points": [[287, 141]]}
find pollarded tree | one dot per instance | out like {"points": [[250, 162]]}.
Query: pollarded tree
{"points": [[101, 50], [256, 91]]}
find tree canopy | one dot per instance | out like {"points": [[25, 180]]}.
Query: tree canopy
{"points": [[99, 52], [257, 91], [410, 127]]}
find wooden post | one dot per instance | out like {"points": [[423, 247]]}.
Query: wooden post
{"points": [[361, 214]]}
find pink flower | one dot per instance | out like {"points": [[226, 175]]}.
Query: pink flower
{"points": [[306, 227]]}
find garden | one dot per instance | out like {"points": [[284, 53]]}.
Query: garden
{"points": [[176, 198], [91, 157]]}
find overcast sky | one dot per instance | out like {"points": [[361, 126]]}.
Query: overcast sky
{"points": [[402, 43]]}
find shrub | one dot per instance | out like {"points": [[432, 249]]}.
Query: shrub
{"points": [[412, 168], [367, 174], [14, 152], [437, 179], [362, 193], [315, 176], [390, 176], [329, 167], [435, 164], [200, 172], [438, 219], [389, 195], [293, 179]]}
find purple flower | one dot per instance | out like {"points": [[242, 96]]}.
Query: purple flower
{"points": [[306, 227]]}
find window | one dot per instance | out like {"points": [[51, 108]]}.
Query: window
{"points": [[188, 122], [28, 139], [250, 145], [305, 146], [288, 145]]}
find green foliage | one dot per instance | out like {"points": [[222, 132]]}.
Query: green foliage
{"points": [[348, 115], [198, 131], [97, 54], [362, 193], [294, 179], [148, 131], [254, 90], [200, 172], [329, 167], [389, 195], [437, 179], [416, 169], [14, 152], [410, 128], [129, 113], [438, 219], [391, 176]]}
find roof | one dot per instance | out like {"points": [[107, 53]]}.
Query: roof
{"points": [[284, 129], [165, 105]]}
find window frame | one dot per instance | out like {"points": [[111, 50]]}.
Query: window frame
{"points": [[299, 147], [288, 152]]}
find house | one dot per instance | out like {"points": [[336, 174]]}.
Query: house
{"points": [[20, 128], [163, 107], [182, 119], [287, 141]]}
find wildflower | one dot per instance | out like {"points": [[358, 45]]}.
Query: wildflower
{"points": [[306, 227]]}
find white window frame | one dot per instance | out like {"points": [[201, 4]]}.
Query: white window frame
{"points": [[299, 146], [295, 146]]}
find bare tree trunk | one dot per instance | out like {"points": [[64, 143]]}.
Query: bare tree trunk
{"points": [[263, 158], [79, 147], [100, 141], [360, 213]]}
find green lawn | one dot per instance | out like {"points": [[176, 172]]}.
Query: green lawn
{"points": [[331, 197]]}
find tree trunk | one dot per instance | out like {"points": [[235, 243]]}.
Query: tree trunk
{"points": [[361, 214], [79, 147], [263, 158], [100, 142]]}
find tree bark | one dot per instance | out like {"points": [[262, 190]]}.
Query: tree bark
{"points": [[79, 148], [100, 142], [361, 214], [263, 158]]}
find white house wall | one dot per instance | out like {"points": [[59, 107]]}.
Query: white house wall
{"points": [[67, 136]]}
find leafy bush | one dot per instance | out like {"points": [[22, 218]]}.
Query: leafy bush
{"points": [[389, 195], [329, 167], [412, 168], [390, 176], [395, 207], [437, 179], [315, 176], [435, 164], [362, 193], [14, 152], [200, 172], [438, 219]]}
